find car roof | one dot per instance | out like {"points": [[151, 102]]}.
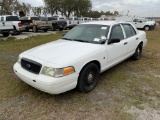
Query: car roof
{"points": [[8, 15], [108, 23]]}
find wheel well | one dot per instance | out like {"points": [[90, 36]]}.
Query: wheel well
{"points": [[95, 62], [14, 27], [141, 44], [146, 26]]}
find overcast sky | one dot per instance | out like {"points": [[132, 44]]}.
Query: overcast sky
{"points": [[144, 8]]}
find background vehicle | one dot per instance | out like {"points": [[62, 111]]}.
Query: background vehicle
{"points": [[59, 23], [72, 22], [36, 23], [26, 24], [55, 22], [17, 25], [140, 23], [5, 26]]}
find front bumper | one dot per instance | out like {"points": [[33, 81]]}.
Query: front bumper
{"points": [[152, 26], [45, 83]]}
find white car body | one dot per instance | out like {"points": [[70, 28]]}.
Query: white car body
{"points": [[140, 23], [16, 24], [5, 26], [63, 53]]}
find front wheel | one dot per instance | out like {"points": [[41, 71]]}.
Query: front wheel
{"points": [[138, 52], [88, 78], [146, 28]]}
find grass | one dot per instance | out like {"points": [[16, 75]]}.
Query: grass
{"points": [[131, 84]]}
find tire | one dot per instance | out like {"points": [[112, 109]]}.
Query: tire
{"points": [[6, 34], [45, 30], [27, 30], [146, 28], [138, 52], [60, 29], [88, 78], [53, 28], [35, 29]]}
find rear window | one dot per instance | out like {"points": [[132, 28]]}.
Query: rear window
{"points": [[55, 18], [12, 18], [35, 18], [61, 18], [43, 18], [50, 18], [129, 30], [23, 18]]}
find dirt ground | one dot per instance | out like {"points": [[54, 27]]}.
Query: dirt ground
{"points": [[128, 91]]}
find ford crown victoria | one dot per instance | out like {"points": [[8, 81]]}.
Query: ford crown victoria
{"points": [[77, 59]]}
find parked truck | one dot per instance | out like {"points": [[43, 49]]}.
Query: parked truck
{"points": [[140, 23], [5, 26], [55, 22], [35, 23], [11, 20]]}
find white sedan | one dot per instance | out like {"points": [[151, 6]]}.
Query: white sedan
{"points": [[77, 59]]}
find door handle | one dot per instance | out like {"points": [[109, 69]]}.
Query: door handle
{"points": [[135, 23], [136, 38], [125, 43]]}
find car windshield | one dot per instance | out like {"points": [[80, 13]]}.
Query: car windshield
{"points": [[88, 33]]}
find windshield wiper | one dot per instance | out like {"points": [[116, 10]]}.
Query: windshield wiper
{"points": [[80, 40], [67, 39]]}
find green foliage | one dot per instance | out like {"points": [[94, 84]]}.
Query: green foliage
{"points": [[68, 7], [10, 6]]}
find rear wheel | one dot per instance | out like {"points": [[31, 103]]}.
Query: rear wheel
{"points": [[6, 34], [88, 78], [60, 29], [45, 30], [53, 28], [27, 30], [35, 29], [138, 52]]}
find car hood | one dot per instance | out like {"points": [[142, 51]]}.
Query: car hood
{"points": [[63, 51]]}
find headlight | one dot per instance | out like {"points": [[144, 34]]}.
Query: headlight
{"points": [[57, 72]]}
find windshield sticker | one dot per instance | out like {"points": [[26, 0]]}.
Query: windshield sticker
{"points": [[104, 28], [96, 39], [103, 37]]}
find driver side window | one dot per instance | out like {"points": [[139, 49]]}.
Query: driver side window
{"points": [[117, 32]]}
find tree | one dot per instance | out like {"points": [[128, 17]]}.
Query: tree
{"points": [[10, 6], [68, 7], [52, 6]]}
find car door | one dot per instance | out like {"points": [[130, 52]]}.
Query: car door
{"points": [[138, 23], [131, 37], [116, 51], [8, 22]]}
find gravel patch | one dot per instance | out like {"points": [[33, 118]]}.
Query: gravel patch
{"points": [[146, 114]]}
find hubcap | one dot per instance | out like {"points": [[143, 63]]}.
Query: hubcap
{"points": [[146, 28], [90, 78], [138, 52]]}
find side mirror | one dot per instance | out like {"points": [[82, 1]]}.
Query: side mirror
{"points": [[114, 40], [140, 21]]}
